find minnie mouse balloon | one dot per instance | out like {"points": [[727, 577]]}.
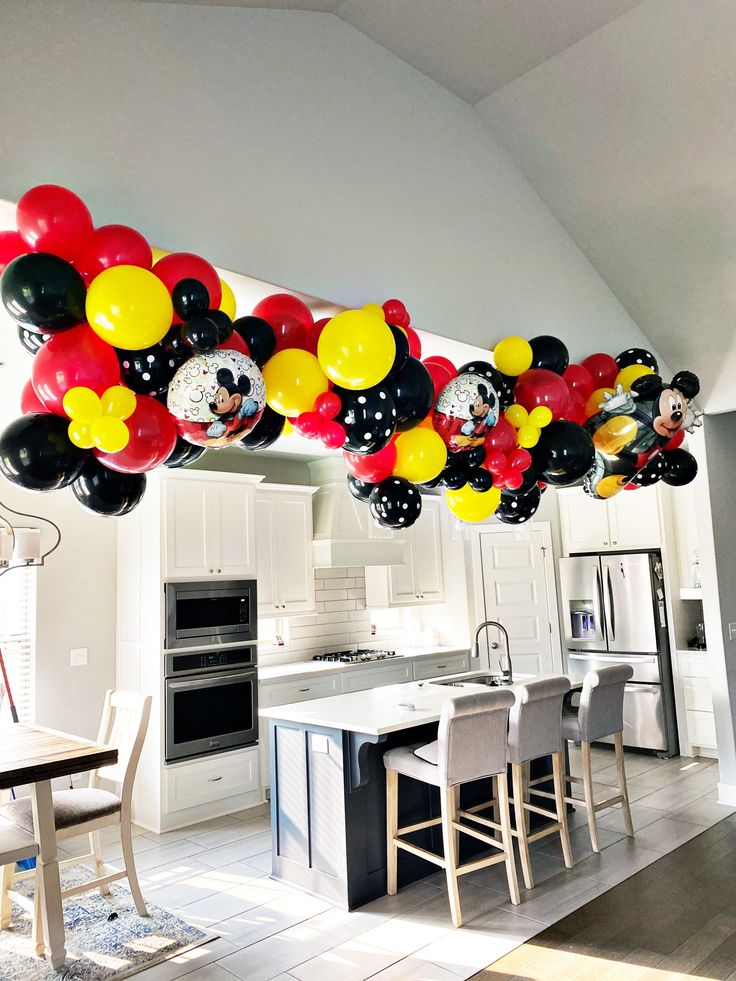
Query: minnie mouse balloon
{"points": [[467, 408], [216, 398]]}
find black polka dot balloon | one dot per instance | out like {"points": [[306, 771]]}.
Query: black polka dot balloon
{"points": [[485, 369], [368, 417], [32, 341], [637, 355], [395, 503], [652, 473], [148, 372], [515, 510]]}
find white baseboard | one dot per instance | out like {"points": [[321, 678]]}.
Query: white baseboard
{"points": [[727, 794]]}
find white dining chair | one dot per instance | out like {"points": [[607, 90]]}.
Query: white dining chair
{"points": [[15, 846], [90, 809]]}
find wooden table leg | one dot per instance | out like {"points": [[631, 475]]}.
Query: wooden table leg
{"points": [[52, 917]]}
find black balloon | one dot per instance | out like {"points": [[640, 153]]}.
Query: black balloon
{"points": [[173, 343], [402, 348], [183, 454], [637, 355], [529, 483], [682, 467], [31, 340], [43, 292], [223, 323], [505, 391], [480, 480], [564, 453], [368, 417], [412, 390], [149, 371], [37, 454], [201, 334], [107, 492], [190, 298], [395, 503], [265, 432], [651, 473], [515, 510], [473, 457], [431, 484], [259, 336], [454, 476], [360, 489], [550, 353]]}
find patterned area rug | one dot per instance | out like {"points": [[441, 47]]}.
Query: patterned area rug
{"points": [[106, 940]]}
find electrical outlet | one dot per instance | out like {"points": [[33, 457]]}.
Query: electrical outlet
{"points": [[78, 657], [732, 631]]}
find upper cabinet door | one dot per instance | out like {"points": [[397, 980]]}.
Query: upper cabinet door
{"points": [[266, 557], [426, 552], [634, 519], [293, 527], [233, 513], [584, 522], [189, 551]]}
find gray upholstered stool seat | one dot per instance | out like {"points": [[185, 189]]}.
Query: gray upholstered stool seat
{"points": [[571, 723], [471, 745], [71, 807], [15, 845]]}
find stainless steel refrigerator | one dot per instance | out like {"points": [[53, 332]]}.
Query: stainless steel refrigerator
{"points": [[613, 612]]}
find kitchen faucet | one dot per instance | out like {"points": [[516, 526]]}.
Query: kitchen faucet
{"points": [[508, 675]]}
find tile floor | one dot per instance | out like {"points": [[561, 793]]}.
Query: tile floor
{"points": [[216, 875]]}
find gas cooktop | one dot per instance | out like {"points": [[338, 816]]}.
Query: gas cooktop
{"points": [[354, 657]]}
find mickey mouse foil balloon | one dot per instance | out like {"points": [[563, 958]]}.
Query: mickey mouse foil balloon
{"points": [[216, 398], [465, 410], [633, 427]]}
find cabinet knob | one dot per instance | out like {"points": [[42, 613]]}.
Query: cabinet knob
{"points": [[614, 543], [219, 570], [605, 543]]}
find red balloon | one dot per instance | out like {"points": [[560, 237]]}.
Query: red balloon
{"points": [[372, 468], [496, 462], [578, 379], [539, 386], [54, 219], [328, 405], [520, 459], [333, 435], [415, 345], [113, 245], [309, 424], [512, 479], [11, 246], [395, 313], [576, 408], [501, 437], [602, 369], [312, 335], [29, 401], [235, 343], [71, 358], [676, 441], [175, 266], [152, 438], [444, 362], [439, 374], [290, 319]]}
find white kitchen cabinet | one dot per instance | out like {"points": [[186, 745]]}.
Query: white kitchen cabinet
{"points": [[694, 671], [628, 520], [284, 549], [398, 672], [422, 580], [212, 779], [439, 665], [209, 527]]}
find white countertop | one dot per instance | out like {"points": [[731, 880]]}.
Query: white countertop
{"points": [[302, 669], [377, 711]]}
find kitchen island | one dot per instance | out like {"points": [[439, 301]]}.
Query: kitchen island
{"points": [[328, 788]]}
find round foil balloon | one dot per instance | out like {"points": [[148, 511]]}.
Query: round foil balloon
{"points": [[467, 408], [216, 398]]}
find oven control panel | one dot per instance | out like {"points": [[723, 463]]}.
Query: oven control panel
{"points": [[195, 662]]}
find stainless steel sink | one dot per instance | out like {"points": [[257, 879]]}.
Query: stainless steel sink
{"points": [[463, 680]]}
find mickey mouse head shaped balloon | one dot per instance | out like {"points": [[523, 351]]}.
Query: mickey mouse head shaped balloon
{"points": [[465, 410], [216, 398]]}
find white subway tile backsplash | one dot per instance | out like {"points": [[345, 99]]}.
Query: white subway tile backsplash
{"points": [[330, 574], [355, 570], [333, 594], [357, 594], [344, 604]]}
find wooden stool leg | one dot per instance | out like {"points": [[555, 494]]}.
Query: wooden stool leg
{"points": [[558, 770], [36, 926], [507, 837], [449, 841], [519, 816], [392, 824], [95, 846], [589, 796], [5, 904], [495, 810], [525, 778], [622, 788], [126, 840]]}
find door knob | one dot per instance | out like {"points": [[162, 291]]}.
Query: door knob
{"points": [[494, 645]]}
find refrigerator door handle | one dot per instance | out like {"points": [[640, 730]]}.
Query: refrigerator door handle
{"points": [[620, 659], [613, 608], [601, 610], [637, 689]]}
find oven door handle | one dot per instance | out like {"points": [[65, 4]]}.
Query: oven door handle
{"points": [[216, 678], [624, 659]]}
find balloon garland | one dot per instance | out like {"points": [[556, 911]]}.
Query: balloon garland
{"points": [[139, 361]]}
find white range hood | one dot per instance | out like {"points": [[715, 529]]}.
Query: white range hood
{"points": [[345, 534]]}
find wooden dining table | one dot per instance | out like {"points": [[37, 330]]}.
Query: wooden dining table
{"points": [[35, 756]]}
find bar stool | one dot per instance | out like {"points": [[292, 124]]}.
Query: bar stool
{"points": [[600, 714], [471, 745]]}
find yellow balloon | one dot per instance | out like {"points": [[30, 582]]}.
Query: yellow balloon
{"points": [[595, 400], [293, 380], [227, 304], [420, 455], [540, 416], [82, 404], [613, 435], [288, 428], [374, 308], [628, 375], [80, 433], [513, 355], [528, 436], [158, 253], [129, 307], [110, 434], [471, 505], [118, 402], [356, 349], [517, 415]]}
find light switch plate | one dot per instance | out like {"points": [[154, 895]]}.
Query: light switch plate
{"points": [[732, 631], [78, 657]]}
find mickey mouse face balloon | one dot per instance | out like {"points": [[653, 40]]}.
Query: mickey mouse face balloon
{"points": [[216, 398], [465, 410]]}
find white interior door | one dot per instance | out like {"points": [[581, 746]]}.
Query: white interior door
{"points": [[517, 577]]}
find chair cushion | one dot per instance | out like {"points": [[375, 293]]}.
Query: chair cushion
{"points": [[403, 760], [15, 844], [428, 752], [570, 723], [71, 807]]}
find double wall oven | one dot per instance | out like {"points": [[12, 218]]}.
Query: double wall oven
{"points": [[210, 667]]}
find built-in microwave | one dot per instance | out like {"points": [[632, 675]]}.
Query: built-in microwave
{"points": [[209, 613]]}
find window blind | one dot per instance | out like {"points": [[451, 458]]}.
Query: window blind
{"points": [[18, 639]]}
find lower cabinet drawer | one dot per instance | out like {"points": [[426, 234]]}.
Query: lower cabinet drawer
{"points": [[701, 728], [285, 692], [361, 679], [698, 695], [437, 667], [210, 779]]}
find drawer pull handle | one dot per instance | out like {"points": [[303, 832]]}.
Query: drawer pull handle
{"points": [[305, 689], [214, 779], [441, 666]]}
